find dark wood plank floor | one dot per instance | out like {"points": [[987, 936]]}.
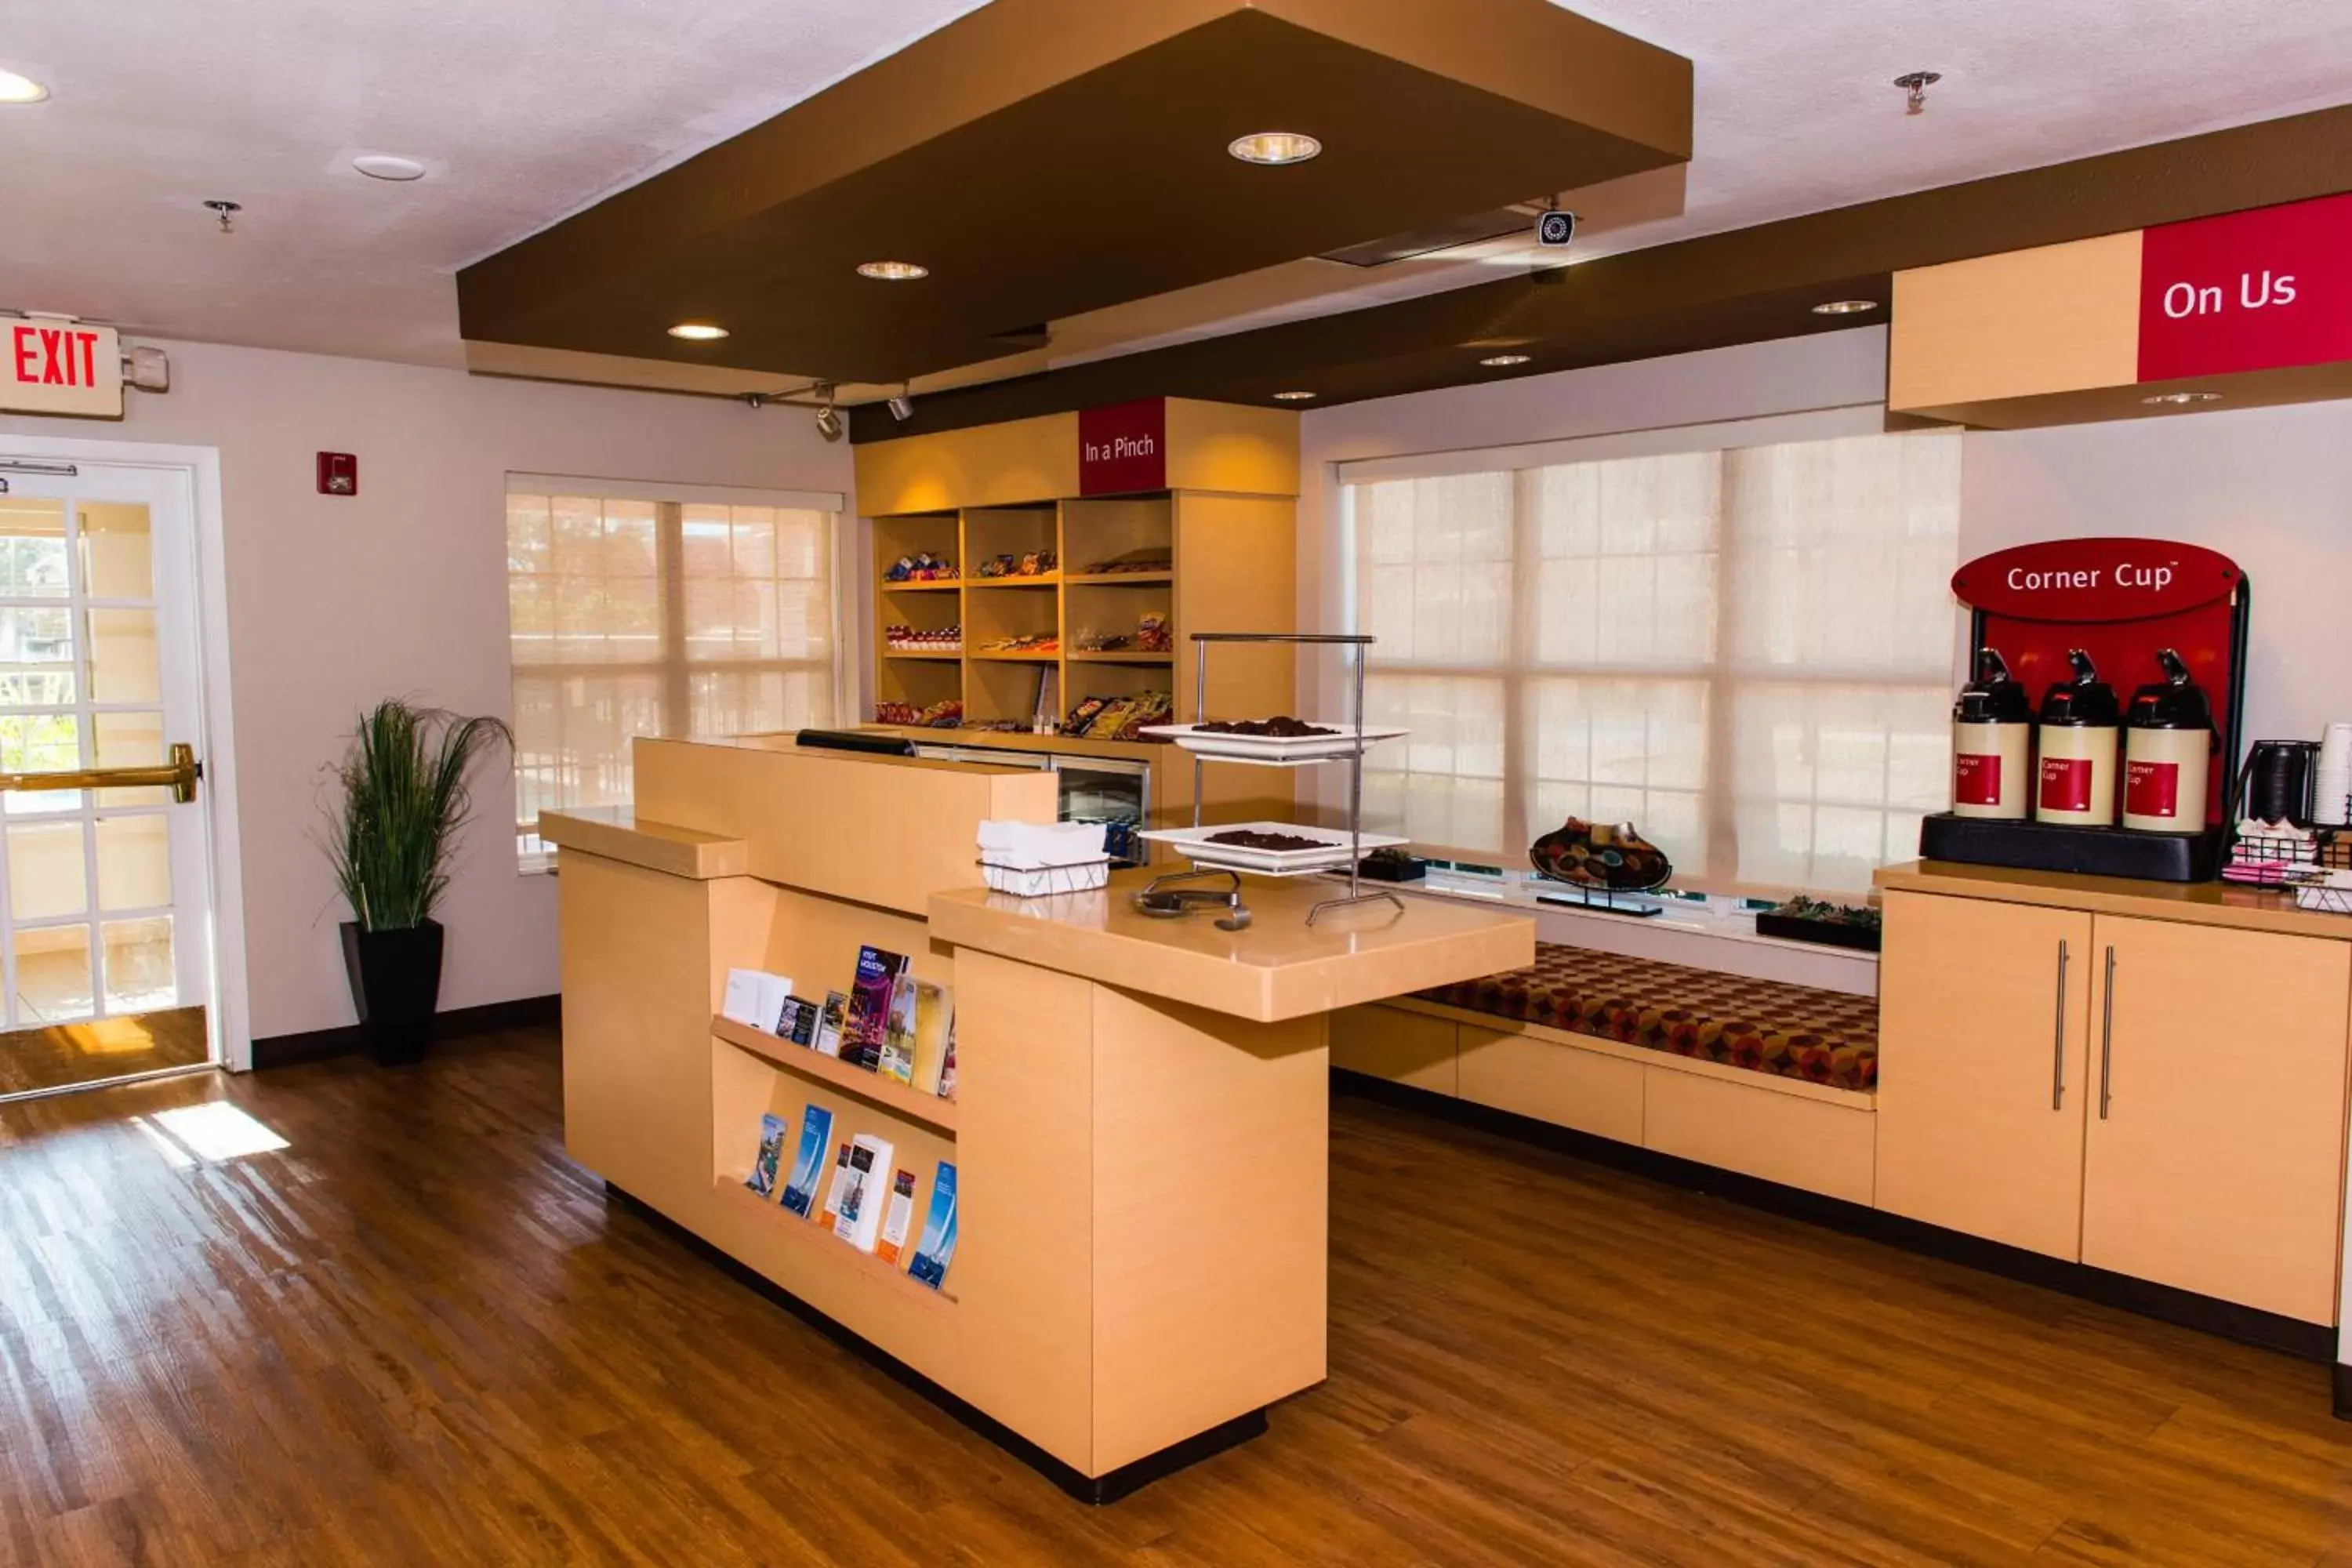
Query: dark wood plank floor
{"points": [[417, 1336], [66, 1053]]}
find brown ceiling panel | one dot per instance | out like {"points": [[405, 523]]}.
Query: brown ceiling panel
{"points": [[1045, 158], [1746, 286]]}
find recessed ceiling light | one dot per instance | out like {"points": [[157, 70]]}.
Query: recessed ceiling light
{"points": [[1844, 306], [697, 332], [1499, 362], [1294, 397], [2179, 399], [388, 166], [893, 271], [1274, 147], [14, 88]]}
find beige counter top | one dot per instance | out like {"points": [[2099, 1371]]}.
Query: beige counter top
{"points": [[2197, 903], [1279, 968], [614, 833]]}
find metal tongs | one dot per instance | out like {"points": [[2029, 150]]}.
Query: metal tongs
{"points": [[1176, 902]]}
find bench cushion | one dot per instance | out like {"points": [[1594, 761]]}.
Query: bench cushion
{"points": [[1764, 1025]]}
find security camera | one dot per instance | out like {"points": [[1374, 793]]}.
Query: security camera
{"points": [[1556, 230]]}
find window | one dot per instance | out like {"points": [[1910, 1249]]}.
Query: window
{"points": [[1746, 653], [658, 611]]}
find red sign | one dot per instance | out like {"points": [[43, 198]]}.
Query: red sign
{"points": [[51, 365], [2096, 580], [1123, 449], [1976, 779], [2152, 789], [2066, 784], [2250, 290]]}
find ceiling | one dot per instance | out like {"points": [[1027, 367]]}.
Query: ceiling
{"points": [[527, 110]]}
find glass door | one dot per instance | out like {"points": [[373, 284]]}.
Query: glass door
{"points": [[104, 890]]}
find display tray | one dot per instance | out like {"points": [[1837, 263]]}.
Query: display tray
{"points": [[1272, 750], [1192, 843], [1820, 933], [2084, 851]]}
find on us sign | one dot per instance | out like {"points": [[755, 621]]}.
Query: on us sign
{"points": [[52, 366]]}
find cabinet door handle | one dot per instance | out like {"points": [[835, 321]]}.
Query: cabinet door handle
{"points": [[2058, 1039], [2107, 1037]]}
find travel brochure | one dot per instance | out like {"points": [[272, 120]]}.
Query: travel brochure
{"points": [[869, 1199], [890, 1022]]}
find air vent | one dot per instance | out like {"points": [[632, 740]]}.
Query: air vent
{"points": [[1461, 231]]}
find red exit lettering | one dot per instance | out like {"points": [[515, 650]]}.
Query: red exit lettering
{"points": [[53, 356]]}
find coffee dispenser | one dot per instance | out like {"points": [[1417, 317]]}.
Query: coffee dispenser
{"points": [[2168, 752], [2080, 720], [1992, 744]]}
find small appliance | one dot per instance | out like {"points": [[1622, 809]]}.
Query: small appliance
{"points": [[1992, 743], [2080, 721]]}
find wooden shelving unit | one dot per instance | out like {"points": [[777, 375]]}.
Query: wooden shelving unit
{"points": [[870, 1086]]}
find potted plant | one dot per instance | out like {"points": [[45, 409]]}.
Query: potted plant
{"points": [[404, 798]]}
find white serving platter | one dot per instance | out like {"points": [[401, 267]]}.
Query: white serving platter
{"points": [[1272, 750], [1192, 843]]}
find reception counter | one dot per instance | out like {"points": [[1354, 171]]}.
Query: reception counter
{"points": [[1139, 1125]]}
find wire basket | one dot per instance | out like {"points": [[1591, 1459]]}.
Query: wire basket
{"points": [[2269, 862], [1044, 881]]}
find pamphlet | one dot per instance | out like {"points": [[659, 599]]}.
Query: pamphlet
{"points": [[934, 1028], [867, 1023], [840, 1188], [808, 1165], [773, 1130], [896, 1218], [896, 1062], [862, 1200], [827, 1041], [936, 1249]]}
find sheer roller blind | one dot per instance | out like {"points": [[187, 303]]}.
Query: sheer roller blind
{"points": [[1746, 653], [669, 611]]}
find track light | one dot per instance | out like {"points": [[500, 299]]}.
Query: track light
{"points": [[902, 407], [828, 417]]}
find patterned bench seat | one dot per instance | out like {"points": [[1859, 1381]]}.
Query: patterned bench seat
{"points": [[1764, 1025]]}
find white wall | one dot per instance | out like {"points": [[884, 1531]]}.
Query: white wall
{"points": [[400, 591], [2270, 487]]}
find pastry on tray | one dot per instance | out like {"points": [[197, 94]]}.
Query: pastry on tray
{"points": [[1280, 727], [1615, 859]]}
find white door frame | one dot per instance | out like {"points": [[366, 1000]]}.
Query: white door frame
{"points": [[217, 735]]}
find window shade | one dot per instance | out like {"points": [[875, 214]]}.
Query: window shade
{"points": [[1746, 653]]}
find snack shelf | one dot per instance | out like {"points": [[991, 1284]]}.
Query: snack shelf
{"points": [[871, 1086], [1117, 579], [926, 653], [948, 585], [1022, 658], [1120, 655], [1353, 756], [1035, 580]]}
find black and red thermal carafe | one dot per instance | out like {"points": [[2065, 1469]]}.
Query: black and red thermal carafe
{"points": [[2080, 721], [1992, 744], [2167, 752]]}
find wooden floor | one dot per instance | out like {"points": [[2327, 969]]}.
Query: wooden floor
{"points": [[67, 1054], [415, 1336]]}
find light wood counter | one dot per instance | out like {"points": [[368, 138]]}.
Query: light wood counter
{"points": [[1140, 1129], [2198, 903], [1279, 968]]}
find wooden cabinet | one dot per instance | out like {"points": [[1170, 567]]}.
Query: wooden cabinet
{"points": [[2216, 1113], [2158, 1094], [1984, 1024]]}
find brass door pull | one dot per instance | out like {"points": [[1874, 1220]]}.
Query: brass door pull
{"points": [[179, 775]]}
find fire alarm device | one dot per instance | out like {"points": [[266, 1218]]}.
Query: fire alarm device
{"points": [[339, 474]]}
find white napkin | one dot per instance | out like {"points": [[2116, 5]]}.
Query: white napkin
{"points": [[1038, 845]]}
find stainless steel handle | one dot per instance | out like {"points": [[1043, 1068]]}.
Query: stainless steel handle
{"points": [[2107, 1037], [2058, 1039]]}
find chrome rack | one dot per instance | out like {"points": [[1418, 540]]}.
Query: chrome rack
{"points": [[1239, 916]]}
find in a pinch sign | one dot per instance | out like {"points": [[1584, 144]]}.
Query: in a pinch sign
{"points": [[1123, 449]]}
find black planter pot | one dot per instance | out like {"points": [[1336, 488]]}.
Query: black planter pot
{"points": [[396, 984]]}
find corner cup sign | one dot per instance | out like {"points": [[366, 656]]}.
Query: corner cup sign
{"points": [[53, 366]]}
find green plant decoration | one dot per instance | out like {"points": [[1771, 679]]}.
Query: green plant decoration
{"points": [[404, 800]]}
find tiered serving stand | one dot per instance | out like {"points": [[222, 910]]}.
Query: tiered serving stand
{"points": [[1210, 859]]}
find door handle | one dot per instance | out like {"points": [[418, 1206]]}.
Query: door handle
{"points": [[2107, 1037], [179, 775], [2058, 1038]]}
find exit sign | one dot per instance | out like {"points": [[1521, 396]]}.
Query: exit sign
{"points": [[50, 365]]}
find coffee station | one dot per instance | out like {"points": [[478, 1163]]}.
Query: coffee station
{"points": [[2113, 993]]}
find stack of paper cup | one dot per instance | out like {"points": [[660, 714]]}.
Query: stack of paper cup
{"points": [[2331, 784]]}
